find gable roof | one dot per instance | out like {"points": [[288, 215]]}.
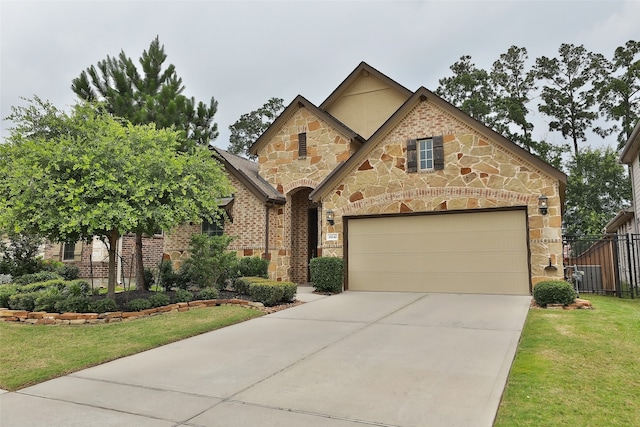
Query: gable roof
{"points": [[362, 69], [246, 172], [631, 148], [622, 217], [423, 94], [295, 105]]}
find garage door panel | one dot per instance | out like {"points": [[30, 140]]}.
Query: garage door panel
{"points": [[483, 252]]}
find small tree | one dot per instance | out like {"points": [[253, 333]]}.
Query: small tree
{"points": [[18, 255], [209, 259]]}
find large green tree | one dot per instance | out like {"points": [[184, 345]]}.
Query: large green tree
{"points": [[598, 187], [153, 94], [569, 97], [469, 89], [250, 126], [619, 92], [90, 173]]}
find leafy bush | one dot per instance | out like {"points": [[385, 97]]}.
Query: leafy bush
{"points": [[209, 259], [74, 304], [69, 272], [19, 254], [159, 299], [554, 292], [51, 265], [5, 278], [48, 299], [253, 267], [182, 295], [59, 284], [167, 278], [149, 278], [208, 293], [327, 274], [23, 301], [5, 293], [241, 285], [77, 288], [103, 305], [271, 293], [41, 276], [139, 304]]}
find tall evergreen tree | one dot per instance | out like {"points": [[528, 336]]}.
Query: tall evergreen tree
{"points": [[250, 126], [469, 89], [153, 94], [569, 99], [619, 92]]}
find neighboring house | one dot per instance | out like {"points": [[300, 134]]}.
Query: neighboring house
{"points": [[630, 155], [413, 193]]}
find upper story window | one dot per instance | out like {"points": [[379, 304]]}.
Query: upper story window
{"points": [[425, 153]]}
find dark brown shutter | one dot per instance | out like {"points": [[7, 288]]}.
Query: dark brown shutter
{"points": [[302, 145], [438, 153], [412, 156]]}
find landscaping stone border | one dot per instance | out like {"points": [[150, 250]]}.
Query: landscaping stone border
{"points": [[45, 318]]}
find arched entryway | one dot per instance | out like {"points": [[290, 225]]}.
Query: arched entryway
{"points": [[304, 233]]}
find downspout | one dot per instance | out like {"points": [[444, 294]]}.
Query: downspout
{"points": [[266, 234], [119, 267]]}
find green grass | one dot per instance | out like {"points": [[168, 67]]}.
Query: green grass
{"points": [[579, 367], [35, 353]]}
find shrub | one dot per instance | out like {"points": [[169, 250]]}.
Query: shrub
{"points": [[51, 265], [253, 267], [23, 301], [74, 304], [182, 295], [5, 293], [554, 292], [103, 305], [41, 276], [47, 300], [139, 304], [69, 272], [59, 284], [208, 293], [271, 293], [19, 254], [241, 285], [148, 278], [209, 259], [159, 299], [5, 279], [77, 288], [327, 274]]}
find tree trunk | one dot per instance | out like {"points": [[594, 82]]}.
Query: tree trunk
{"points": [[113, 248], [139, 264]]}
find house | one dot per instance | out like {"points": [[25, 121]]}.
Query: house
{"points": [[630, 155], [413, 193]]}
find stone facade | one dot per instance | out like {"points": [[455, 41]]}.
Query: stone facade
{"points": [[478, 173]]}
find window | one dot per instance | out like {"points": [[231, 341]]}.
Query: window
{"points": [[212, 229], [68, 251], [302, 145], [425, 153]]}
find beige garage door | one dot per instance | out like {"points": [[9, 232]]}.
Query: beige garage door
{"points": [[482, 252]]}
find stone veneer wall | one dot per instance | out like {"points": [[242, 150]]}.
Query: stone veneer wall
{"points": [[478, 173], [280, 165]]}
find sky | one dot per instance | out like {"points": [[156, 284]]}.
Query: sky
{"points": [[244, 52]]}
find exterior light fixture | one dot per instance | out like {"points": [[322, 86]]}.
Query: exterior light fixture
{"points": [[330, 218], [543, 205]]}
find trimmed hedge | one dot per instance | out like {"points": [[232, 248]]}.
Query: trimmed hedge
{"points": [[182, 295], [269, 292], [327, 274], [554, 292], [159, 299], [241, 285], [207, 293], [104, 305], [139, 304]]}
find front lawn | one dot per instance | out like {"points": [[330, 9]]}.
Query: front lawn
{"points": [[579, 367], [35, 353]]}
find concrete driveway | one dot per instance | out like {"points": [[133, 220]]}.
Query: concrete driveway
{"points": [[348, 360]]}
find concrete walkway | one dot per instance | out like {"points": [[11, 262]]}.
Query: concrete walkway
{"points": [[348, 360]]}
